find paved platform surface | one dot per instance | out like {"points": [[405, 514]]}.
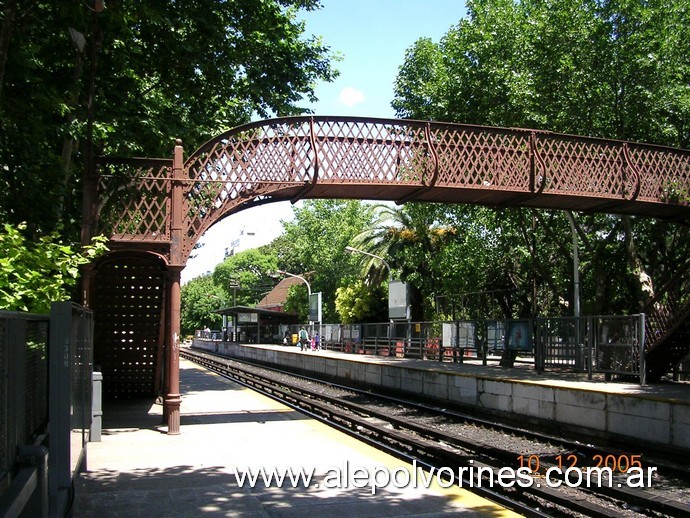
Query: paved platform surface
{"points": [[138, 470]]}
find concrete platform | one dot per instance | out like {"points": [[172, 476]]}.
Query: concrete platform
{"points": [[659, 414], [138, 470]]}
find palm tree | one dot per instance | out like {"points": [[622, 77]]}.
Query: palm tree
{"points": [[409, 237]]}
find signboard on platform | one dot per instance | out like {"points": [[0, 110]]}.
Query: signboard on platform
{"points": [[519, 335], [315, 307], [247, 317], [398, 301]]}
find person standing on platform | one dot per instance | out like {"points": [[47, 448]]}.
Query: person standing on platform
{"points": [[303, 339]]}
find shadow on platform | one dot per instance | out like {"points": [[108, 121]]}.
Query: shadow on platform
{"points": [[185, 491]]}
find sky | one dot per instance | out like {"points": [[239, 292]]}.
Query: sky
{"points": [[371, 36]]}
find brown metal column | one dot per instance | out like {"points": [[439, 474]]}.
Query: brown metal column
{"points": [[172, 397]]}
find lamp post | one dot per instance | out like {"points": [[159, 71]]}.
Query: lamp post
{"points": [[353, 250], [576, 286], [305, 281], [281, 272]]}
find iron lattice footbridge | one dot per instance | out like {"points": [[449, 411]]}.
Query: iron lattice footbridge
{"points": [[155, 210], [381, 159]]}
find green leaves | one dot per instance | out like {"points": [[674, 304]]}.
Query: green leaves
{"points": [[32, 275], [358, 302], [246, 276], [200, 298], [314, 244], [615, 69]]}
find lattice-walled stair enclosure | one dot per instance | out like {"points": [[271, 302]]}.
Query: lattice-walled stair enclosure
{"points": [[128, 309], [667, 340]]}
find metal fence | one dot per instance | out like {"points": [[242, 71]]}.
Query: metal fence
{"points": [[23, 386], [595, 344], [71, 375], [610, 345], [46, 371], [447, 340], [617, 345]]}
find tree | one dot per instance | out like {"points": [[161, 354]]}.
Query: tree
{"points": [[359, 302], [613, 69], [411, 236], [250, 272], [313, 245], [132, 79], [200, 298]]}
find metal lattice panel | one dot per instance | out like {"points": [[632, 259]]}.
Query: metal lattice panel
{"points": [[477, 158], [394, 159], [128, 307], [134, 199]]}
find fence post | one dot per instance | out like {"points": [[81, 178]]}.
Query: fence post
{"points": [[96, 407], [484, 344], [60, 358], [591, 337], [643, 361], [538, 351]]}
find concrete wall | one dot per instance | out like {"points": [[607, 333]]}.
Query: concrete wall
{"points": [[662, 422]]}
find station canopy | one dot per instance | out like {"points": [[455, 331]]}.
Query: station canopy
{"points": [[247, 314]]}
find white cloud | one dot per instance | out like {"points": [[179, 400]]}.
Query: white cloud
{"points": [[350, 97]]}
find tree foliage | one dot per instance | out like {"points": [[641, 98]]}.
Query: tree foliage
{"points": [[129, 80], [613, 69], [32, 275], [200, 298], [246, 276], [360, 302], [137, 76], [313, 245], [410, 237]]}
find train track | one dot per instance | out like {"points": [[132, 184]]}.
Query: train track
{"points": [[477, 450]]}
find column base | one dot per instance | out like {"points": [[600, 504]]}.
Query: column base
{"points": [[171, 412]]}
